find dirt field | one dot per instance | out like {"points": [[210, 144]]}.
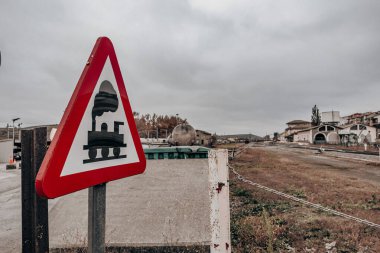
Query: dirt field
{"points": [[264, 222]]}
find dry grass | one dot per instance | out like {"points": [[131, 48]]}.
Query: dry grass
{"points": [[230, 145], [142, 249], [262, 222]]}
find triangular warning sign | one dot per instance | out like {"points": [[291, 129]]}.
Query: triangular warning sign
{"points": [[97, 140]]}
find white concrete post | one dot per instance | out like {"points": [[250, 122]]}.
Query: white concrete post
{"points": [[220, 201]]}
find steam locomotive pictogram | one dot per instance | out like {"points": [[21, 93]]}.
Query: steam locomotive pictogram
{"points": [[105, 101]]}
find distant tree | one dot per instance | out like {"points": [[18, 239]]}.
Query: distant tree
{"points": [[152, 125], [315, 116]]}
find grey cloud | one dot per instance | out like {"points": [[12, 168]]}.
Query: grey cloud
{"points": [[227, 66]]}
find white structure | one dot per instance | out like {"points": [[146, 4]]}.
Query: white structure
{"points": [[5, 150], [168, 205], [325, 133], [344, 120], [331, 117], [304, 136], [220, 201], [358, 133]]}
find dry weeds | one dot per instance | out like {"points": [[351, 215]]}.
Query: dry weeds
{"points": [[263, 222]]}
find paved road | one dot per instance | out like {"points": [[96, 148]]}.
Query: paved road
{"points": [[10, 209], [168, 204]]}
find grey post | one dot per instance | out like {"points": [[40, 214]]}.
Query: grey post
{"points": [[27, 192], [35, 237], [96, 218], [41, 204]]}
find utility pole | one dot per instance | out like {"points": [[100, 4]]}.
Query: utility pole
{"points": [[19, 131], [13, 146]]}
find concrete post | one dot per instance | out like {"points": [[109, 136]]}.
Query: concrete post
{"points": [[220, 202], [96, 218], [35, 233]]}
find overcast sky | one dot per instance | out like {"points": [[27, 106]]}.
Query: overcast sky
{"points": [[226, 66]]}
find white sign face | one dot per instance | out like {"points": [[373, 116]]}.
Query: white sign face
{"points": [[103, 138]]}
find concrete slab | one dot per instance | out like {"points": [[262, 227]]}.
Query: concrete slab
{"points": [[167, 205]]}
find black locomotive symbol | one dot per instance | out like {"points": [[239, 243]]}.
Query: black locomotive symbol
{"points": [[105, 101]]}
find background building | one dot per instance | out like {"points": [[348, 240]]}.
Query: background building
{"points": [[203, 138], [295, 126], [331, 117]]}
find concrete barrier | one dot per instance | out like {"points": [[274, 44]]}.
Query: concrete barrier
{"points": [[167, 209]]}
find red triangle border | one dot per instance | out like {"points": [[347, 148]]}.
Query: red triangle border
{"points": [[49, 183]]}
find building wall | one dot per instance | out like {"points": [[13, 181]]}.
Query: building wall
{"points": [[5, 150], [333, 138], [295, 127], [330, 117], [369, 133], [302, 136], [299, 125], [203, 139], [330, 133]]}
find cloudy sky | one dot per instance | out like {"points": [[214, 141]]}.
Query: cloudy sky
{"points": [[226, 66]]}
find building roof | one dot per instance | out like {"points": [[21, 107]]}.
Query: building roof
{"points": [[204, 132], [48, 126], [297, 121], [352, 124], [241, 136], [314, 127], [297, 127], [306, 129], [374, 114]]}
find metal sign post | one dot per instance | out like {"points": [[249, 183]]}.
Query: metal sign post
{"points": [[96, 218], [35, 226]]}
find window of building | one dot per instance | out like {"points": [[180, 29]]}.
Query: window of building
{"points": [[160, 155], [150, 156], [361, 127], [322, 129], [171, 155], [330, 128], [354, 127]]}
